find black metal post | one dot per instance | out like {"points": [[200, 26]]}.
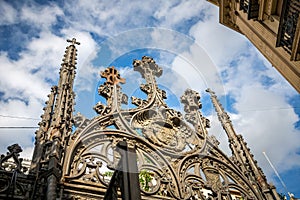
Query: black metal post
{"points": [[126, 176]]}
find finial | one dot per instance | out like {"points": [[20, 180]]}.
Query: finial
{"points": [[73, 41], [223, 116], [191, 100], [147, 67], [112, 76], [210, 91]]}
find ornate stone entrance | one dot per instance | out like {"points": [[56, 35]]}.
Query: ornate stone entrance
{"points": [[148, 152]]}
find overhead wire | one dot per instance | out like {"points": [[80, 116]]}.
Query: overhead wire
{"points": [[268, 109], [18, 117], [18, 127]]}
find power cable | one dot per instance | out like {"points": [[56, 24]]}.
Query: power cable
{"points": [[18, 127], [18, 117], [268, 109]]}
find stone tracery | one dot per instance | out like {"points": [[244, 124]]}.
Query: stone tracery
{"points": [[182, 161], [176, 157]]}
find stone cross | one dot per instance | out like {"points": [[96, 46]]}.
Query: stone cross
{"points": [[73, 41]]}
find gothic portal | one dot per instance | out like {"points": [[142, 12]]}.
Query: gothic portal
{"points": [[147, 152]]}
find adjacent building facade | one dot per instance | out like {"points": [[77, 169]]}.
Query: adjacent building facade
{"points": [[273, 26]]}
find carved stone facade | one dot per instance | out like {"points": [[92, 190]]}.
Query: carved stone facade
{"points": [[147, 152], [273, 26]]}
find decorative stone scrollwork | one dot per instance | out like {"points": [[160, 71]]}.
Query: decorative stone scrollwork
{"points": [[112, 76], [147, 65], [214, 140], [105, 90], [102, 109], [138, 102], [190, 99], [110, 90], [174, 159], [80, 121], [78, 197], [91, 168], [124, 99], [212, 176], [191, 102], [13, 153], [165, 128], [14, 178], [149, 69], [146, 88]]}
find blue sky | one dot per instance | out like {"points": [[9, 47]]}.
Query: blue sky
{"points": [[184, 37]]}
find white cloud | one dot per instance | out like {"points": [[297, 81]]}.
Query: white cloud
{"points": [[27, 153], [16, 107], [9, 14], [109, 17], [198, 69], [25, 85], [221, 43], [268, 127], [112, 17], [18, 82], [41, 16], [176, 13]]}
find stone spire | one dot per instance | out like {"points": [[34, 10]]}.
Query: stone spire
{"points": [[241, 153], [56, 124], [61, 125]]}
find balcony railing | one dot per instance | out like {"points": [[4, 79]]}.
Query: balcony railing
{"points": [[251, 7], [287, 35]]}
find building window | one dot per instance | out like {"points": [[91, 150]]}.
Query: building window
{"points": [[251, 7], [288, 25]]}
